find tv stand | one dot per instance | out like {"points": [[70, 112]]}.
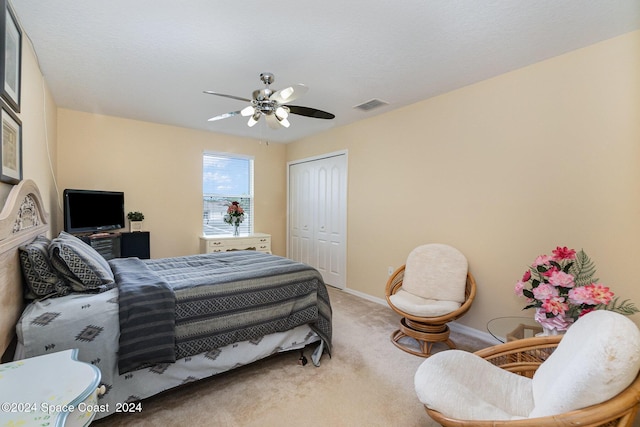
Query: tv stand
{"points": [[135, 244], [119, 244], [106, 244]]}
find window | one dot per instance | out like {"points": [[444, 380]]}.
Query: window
{"points": [[226, 178]]}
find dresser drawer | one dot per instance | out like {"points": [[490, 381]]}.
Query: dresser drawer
{"points": [[254, 242]]}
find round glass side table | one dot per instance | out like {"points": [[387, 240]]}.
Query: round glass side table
{"points": [[510, 328]]}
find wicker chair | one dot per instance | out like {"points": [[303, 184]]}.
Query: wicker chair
{"points": [[523, 357], [428, 330]]}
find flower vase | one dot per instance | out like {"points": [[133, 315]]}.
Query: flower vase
{"points": [[551, 325], [548, 332], [236, 231]]}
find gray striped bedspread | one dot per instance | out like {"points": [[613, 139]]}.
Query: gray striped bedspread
{"points": [[219, 299]]}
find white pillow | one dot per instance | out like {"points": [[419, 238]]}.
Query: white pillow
{"points": [[421, 307], [598, 357], [436, 271], [464, 386]]}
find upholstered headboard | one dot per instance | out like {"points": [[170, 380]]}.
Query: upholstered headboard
{"points": [[23, 217]]}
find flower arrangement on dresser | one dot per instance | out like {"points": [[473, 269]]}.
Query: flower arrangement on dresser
{"points": [[234, 216], [561, 287]]}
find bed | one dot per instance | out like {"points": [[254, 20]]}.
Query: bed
{"points": [[151, 325]]}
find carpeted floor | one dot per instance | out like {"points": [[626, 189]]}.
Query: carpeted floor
{"points": [[366, 382]]}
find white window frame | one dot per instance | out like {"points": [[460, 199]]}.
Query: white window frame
{"points": [[214, 203]]}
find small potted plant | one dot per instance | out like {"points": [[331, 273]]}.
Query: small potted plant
{"points": [[135, 221]]}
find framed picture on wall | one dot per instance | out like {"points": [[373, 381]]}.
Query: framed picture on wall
{"points": [[10, 65], [11, 153]]}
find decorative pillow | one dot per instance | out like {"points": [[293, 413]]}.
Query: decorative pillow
{"points": [[41, 278], [598, 357], [463, 385], [80, 264], [436, 272]]}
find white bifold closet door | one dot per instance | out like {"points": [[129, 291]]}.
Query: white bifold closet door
{"points": [[318, 215]]}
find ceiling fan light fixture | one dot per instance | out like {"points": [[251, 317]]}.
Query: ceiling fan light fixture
{"points": [[284, 122], [286, 93], [248, 111], [282, 112], [253, 119]]}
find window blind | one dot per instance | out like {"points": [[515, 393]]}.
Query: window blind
{"points": [[226, 178]]}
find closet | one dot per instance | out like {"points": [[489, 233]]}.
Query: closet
{"points": [[317, 220]]}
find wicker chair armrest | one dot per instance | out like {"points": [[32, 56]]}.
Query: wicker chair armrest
{"points": [[522, 357], [394, 283], [469, 294], [526, 345]]}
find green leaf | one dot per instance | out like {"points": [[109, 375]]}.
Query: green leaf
{"points": [[583, 269], [625, 307]]}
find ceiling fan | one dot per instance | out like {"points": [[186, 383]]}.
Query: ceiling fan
{"points": [[272, 104]]}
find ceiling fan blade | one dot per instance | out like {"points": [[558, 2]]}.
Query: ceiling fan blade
{"points": [[288, 94], [239, 98], [310, 112], [224, 116]]}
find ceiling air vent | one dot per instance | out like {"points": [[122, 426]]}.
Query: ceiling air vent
{"points": [[370, 105]]}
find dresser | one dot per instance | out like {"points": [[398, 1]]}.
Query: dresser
{"points": [[255, 242], [51, 390]]}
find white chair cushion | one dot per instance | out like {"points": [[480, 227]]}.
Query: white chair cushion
{"points": [[464, 386], [436, 272], [422, 307], [598, 357]]}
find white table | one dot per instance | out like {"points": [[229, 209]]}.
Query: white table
{"points": [[51, 390], [510, 328]]}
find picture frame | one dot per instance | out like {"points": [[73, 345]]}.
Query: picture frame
{"points": [[11, 61], [11, 147]]}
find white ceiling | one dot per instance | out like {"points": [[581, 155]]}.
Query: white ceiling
{"points": [[151, 60]]}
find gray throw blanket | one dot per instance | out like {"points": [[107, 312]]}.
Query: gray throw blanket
{"points": [[224, 298], [146, 314]]}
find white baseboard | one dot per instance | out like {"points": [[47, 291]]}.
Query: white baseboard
{"points": [[477, 334], [482, 336], [365, 296]]}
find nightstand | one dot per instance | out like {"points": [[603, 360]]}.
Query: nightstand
{"points": [[51, 390]]}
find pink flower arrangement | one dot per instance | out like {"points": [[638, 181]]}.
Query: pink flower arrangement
{"points": [[561, 288], [235, 214]]}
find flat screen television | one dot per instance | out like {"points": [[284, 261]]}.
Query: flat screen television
{"points": [[88, 211]]}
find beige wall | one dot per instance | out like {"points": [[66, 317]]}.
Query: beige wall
{"points": [[159, 168], [505, 170], [38, 114]]}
